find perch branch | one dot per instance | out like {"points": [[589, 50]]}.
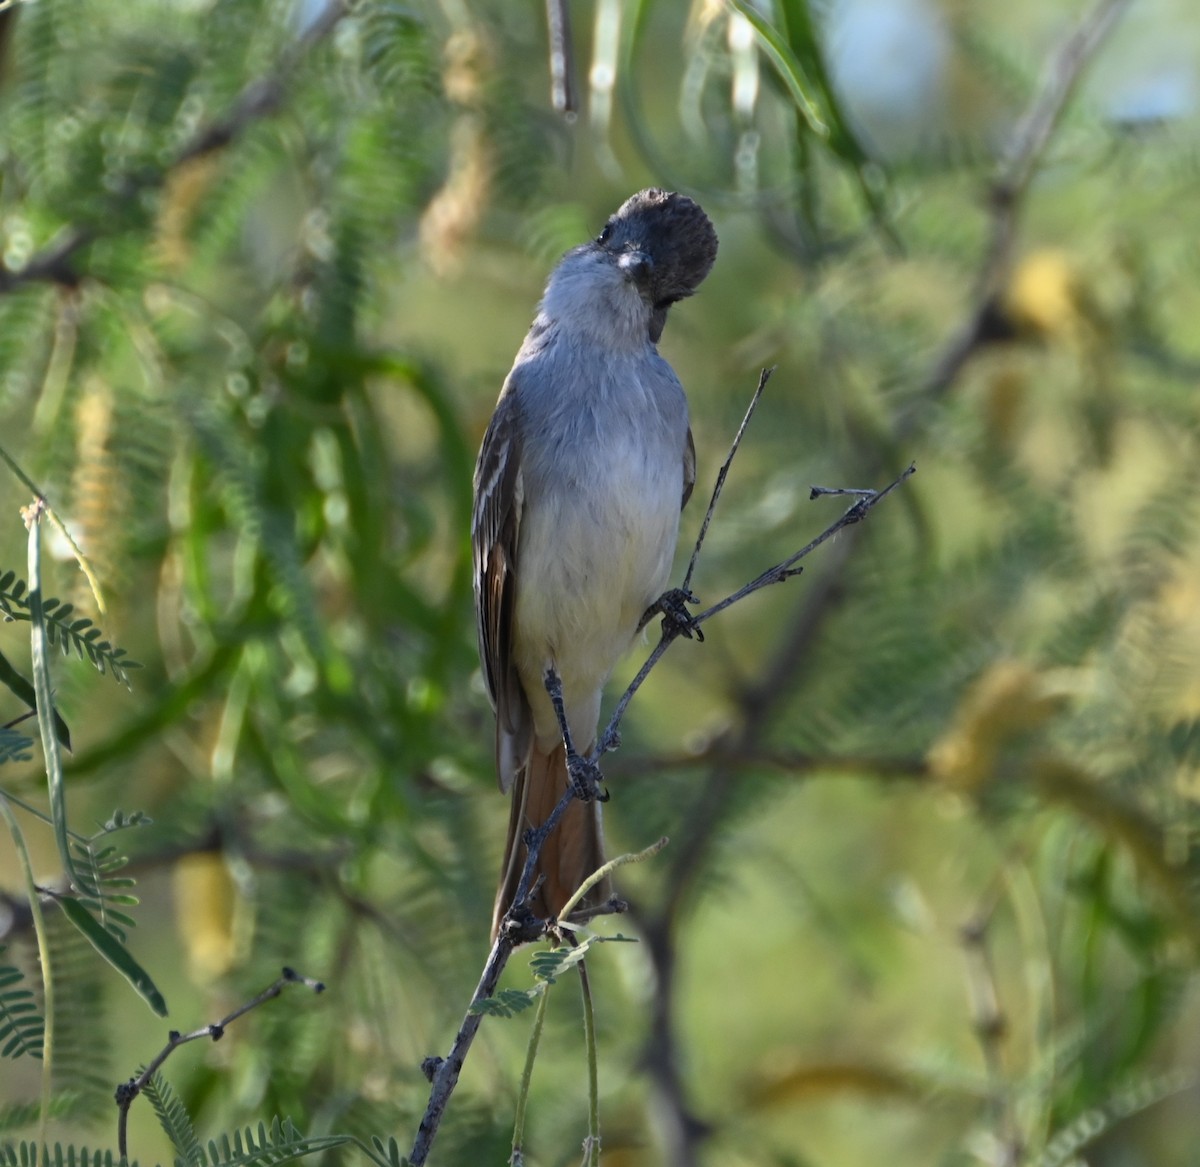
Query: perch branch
{"points": [[519, 925]]}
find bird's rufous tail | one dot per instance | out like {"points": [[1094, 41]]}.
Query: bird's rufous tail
{"points": [[573, 850]]}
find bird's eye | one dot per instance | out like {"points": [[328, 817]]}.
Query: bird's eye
{"points": [[605, 235]]}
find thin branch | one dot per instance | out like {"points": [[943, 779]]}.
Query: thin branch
{"points": [[531, 1051], [990, 1026], [763, 378], [128, 1091], [787, 568], [1059, 80], [778, 573], [602, 873], [51, 265], [85, 564], [1028, 143], [591, 1145], [45, 963], [444, 1072], [263, 96]]}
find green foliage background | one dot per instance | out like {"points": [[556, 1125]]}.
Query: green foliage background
{"points": [[931, 891]]}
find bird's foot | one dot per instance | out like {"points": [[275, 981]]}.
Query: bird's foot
{"points": [[586, 778], [677, 620]]}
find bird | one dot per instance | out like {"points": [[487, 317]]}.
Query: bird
{"points": [[581, 477]]}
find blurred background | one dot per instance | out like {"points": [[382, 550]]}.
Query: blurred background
{"points": [[931, 892]]}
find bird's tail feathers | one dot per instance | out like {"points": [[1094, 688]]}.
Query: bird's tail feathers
{"points": [[573, 850]]}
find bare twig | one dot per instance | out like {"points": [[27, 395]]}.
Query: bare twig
{"points": [[990, 1026], [787, 568], [128, 1091], [780, 572], [763, 378], [445, 1071]]}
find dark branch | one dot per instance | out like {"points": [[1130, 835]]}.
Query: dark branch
{"points": [[128, 1091], [446, 1071], [1010, 185], [763, 378], [778, 573]]}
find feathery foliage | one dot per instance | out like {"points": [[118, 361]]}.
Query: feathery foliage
{"points": [[78, 634], [27, 1154], [21, 1025], [175, 1121]]}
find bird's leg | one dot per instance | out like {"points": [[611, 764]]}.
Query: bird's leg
{"points": [[677, 620], [584, 774]]}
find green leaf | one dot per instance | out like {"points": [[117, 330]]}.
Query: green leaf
{"points": [[21, 1025], [80, 634], [109, 947], [804, 89], [550, 963], [281, 1143], [20, 687], [507, 1002], [175, 1121], [14, 746], [31, 1154]]}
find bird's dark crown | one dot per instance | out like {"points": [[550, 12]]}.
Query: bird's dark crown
{"points": [[676, 235]]}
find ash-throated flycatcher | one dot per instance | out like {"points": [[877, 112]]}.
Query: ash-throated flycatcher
{"points": [[580, 480]]}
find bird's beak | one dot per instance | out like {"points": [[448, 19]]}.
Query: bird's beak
{"points": [[636, 265]]}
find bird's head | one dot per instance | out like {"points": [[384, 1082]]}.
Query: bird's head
{"points": [[655, 250]]}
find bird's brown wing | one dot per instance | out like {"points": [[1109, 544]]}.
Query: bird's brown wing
{"points": [[495, 527], [689, 468]]}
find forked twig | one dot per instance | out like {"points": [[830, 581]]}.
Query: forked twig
{"points": [[128, 1091], [866, 501]]}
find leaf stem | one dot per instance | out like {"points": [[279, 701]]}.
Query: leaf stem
{"points": [[41, 687], [535, 1037], [43, 943], [591, 1145]]}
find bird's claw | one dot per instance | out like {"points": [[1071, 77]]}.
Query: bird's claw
{"points": [[586, 779], [677, 620]]}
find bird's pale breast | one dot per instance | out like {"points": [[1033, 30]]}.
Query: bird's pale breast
{"points": [[602, 522]]}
